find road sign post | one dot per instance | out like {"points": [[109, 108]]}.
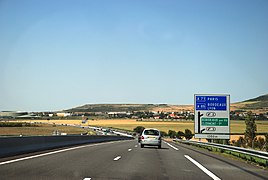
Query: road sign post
{"points": [[212, 116]]}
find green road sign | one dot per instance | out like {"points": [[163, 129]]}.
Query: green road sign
{"points": [[214, 121]]}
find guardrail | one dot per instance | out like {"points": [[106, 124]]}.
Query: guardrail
{"points": [[113, 131], [122, 134], [10, 146], [250, 152]]}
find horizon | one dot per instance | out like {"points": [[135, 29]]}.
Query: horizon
{"points": [[57, 54], [124, 104]]}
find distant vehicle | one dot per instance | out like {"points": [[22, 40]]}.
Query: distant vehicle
{"points": [[150, 137]]}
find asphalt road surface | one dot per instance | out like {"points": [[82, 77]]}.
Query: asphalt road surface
{"points": [[126, 160]]}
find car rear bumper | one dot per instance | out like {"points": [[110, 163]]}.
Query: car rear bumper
{"points": [[151, 142]]}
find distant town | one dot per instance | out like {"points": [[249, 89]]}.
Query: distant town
{"points": [[139, 115]]}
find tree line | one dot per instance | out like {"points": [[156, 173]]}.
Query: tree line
{"points": [[250, 137], [248, 140], [17, 124], [187, 134]]}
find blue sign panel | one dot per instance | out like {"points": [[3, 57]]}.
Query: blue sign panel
{"points": [[216, 103]]}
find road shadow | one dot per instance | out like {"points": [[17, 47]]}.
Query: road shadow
{"points": [[152, 147]]}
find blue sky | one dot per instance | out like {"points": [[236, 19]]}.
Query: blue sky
{"points": [[59, 54]]}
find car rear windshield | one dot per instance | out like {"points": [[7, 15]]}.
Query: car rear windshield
{"points": [[151, 132]]}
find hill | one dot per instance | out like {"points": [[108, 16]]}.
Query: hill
{"points": [[112, 107], [258, 104], [263, 98], [130, 108]]}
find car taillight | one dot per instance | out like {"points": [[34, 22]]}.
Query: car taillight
{"points": [[142, 137]]}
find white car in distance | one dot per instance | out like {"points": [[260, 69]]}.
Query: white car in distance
{"points": [[150, 137]]}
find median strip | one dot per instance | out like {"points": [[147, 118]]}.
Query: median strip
{"points": [[50, 153], [205, 170]]}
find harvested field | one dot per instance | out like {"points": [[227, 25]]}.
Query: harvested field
{"points": [[42, 129], [130, 124]]}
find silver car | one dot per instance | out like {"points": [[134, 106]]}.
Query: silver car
{"points": [[150, 137]]}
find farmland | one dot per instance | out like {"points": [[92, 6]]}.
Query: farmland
{"points": [[125, 124], [130, 124], [39, 129]]}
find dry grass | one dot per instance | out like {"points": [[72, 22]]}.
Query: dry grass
{"points": [[43, 129], [130, 124], [174, 108], [239, 126]]}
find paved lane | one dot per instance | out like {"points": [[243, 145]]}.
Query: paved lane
{"points": [[224, 167], [126, 160]]}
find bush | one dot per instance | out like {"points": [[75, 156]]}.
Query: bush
{"points": [[180, 134], [163, 133], [259, 143], [188, 134], [139, 129], [172, 134], [241, 142], [266, 142], [221, 141]]}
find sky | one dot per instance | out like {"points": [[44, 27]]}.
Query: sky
{"points": [[59, 54]]}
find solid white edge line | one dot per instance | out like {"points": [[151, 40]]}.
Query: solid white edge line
{"points": [[205, 170], [117, 158], [172, 146], [53, 152]]}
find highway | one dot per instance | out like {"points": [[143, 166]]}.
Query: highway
{"points": [[126, 160]]}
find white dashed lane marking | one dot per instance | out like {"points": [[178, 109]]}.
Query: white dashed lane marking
{"points": [[117, 158]]}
